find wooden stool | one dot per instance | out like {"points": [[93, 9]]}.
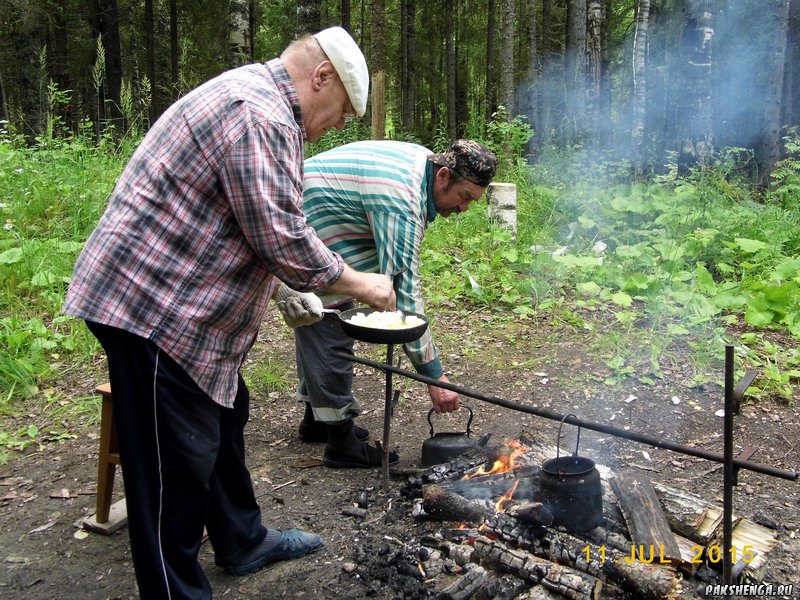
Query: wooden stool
{"points": [[108, 517]]}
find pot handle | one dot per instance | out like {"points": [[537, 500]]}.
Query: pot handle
{"points": [[558, 440], [469, 421]]}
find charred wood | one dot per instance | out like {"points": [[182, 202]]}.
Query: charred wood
{"points": [[565, 581], [497, 484], [449, 506], [466, 586], [505, 587], [646, 520], [354, 511], [461, 554], [645, 581]]}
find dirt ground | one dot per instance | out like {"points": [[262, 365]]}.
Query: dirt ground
{"points": [[45, 491]]}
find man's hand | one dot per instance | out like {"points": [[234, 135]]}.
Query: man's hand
{"points": [[372, 289], [443, 400], [298, 309]]}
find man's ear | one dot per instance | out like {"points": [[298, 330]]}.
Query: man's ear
{"points": [[323, 74]]}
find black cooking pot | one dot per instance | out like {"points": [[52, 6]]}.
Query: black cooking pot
{"points": [[444, 446], [380, 336], [569, 486]]}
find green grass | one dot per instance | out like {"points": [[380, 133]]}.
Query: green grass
{"points": [[681, 260]]}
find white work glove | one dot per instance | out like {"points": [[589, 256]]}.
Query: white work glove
{"points": [[298, 309]]}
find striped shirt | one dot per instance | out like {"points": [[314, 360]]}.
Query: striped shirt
{"points": [[207, 210], [371, 202]]}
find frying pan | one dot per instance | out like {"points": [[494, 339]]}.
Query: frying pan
{"points": [[379, 336]]}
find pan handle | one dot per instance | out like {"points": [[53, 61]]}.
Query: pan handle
{"points": [[558, 440]]}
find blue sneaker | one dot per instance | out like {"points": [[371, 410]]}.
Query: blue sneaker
{"points": [[292, 543]]}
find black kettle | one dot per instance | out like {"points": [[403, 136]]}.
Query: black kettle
{"points": [[570, 488], [444, 446]]}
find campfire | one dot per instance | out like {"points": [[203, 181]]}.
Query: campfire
{"points": [[486, 520]]}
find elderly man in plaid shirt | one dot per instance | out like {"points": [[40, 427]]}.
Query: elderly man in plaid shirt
{"points": [[174, 282]]}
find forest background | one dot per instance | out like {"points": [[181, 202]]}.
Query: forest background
{"points": [[653, 144]]}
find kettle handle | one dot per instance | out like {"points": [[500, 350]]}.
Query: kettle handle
{"points": [[469, 421], [558, 440]]}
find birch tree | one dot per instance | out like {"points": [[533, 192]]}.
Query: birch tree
{"points": [[639, 84]]}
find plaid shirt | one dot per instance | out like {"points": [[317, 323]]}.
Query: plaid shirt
{"points": [[205, 213]]}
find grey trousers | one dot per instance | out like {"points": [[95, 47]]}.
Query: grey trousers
{"points": [[326, 381]]}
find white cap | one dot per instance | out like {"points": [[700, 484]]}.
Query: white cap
{"points": [[349, 63]]}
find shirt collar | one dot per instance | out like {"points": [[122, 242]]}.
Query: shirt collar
{"points": [[427, 189], [285, 85]]}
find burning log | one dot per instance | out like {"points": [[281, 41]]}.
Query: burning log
{"points": [[565, 581], [497, 484], [645, 518], [448, 506], [465, 587], [530, 512]]}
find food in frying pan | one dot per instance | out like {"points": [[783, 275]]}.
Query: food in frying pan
{"points": [[385, 320]]}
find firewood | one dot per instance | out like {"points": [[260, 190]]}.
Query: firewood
{"points": [[645, 518], [690, 515], [565, 581], [461, 554], [466, 586], [530, 512], [539, 592], [644, 581], [448, 506], [497, 484]]}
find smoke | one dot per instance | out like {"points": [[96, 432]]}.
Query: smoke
{"points": [[742, 42]]}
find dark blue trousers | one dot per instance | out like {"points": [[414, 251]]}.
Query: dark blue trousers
{"points": [[183, 467]]}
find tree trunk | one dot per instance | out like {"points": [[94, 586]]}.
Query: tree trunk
{"points": [[105, 23], [791, 103], [379, 69], [575, 69], [639, 85], [450, 68], [308, 17], [594, 44], [546, 82], [238, 35], [773, 95], [150, 46], [694, 116], [462, 80], [174, 55], [604, 131], [491, 87], [534, 74], [345, 11], [506, 95], [409, 57]]}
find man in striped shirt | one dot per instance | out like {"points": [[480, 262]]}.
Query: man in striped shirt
{"points": [[371, 202], [174, 282]]}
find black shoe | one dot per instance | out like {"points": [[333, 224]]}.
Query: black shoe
{"points": [[317, 433], [291, 543], [361, 457]]}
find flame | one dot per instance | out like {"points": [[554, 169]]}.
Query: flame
{"points": [[505, 462], [499, 507]]}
